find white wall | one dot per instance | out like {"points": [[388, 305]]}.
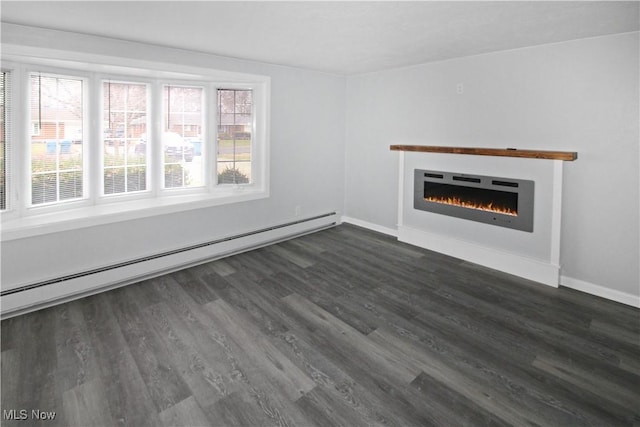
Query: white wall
{"points": [[580, 95], [575, 96], [307, 168]]}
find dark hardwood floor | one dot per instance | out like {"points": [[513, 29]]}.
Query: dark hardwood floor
{"points": [[341, 327]]}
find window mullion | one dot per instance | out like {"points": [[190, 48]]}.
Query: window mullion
{"points": [[126, 141], [210, 140], [22, 152], [154, 147], [94, 147], [58, 143]]}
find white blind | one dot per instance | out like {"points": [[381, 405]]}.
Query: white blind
{"points": [[57, 118], [5, 138]]}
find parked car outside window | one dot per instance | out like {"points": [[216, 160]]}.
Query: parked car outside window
{"points": [[173, 145]]}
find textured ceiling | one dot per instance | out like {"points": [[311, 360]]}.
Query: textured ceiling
{"points": [[336, 37]]}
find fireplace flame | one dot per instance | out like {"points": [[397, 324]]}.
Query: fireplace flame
{"points": [[455, 201]]}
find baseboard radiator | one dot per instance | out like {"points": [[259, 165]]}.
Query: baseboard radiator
{"points": [[35, 296]]}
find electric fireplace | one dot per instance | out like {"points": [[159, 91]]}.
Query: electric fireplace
{"points": [[504, 202]]}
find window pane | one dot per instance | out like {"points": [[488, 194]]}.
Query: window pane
{"points": [[4, 109], [136, 178], [57, 117], [124, 107], [235, 123], [70, 184], [44, 188], [182, 141]]}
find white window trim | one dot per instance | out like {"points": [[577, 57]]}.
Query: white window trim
{"points": [[24, 95], [209, 89], [97, 178], [22, 221]]}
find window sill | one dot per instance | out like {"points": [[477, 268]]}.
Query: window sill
{"points": [[71, 219]]}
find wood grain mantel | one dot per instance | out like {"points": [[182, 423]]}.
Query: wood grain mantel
{"points": [[503, 152]]}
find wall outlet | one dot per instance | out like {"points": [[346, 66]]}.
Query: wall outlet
{"points": [[460, 88], [297, 211]]}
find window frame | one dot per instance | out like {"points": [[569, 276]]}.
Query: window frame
{"points": [[13, 184], [254, 168], [86, 149], [101, 196], [22, 219], [207, 124]]}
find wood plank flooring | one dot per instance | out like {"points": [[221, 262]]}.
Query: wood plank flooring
{"points": [[341, 327]]}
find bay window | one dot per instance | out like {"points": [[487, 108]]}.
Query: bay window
{"points": [[97, 141]]}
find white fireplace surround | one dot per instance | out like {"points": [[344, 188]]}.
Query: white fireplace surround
{"points": [[534, 256]]}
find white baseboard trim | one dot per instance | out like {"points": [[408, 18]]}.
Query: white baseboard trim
{"points": [[529, 268], [47, 295], [370, 226], [600, 291]]}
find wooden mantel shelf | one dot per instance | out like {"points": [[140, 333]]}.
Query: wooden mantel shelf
{"points": [[504, 152]]}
